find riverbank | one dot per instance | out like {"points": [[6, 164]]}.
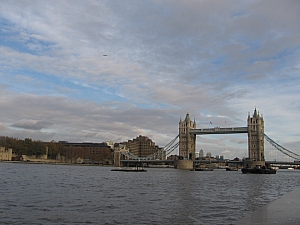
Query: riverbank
{"points": [[283, 211], [55, 163]]}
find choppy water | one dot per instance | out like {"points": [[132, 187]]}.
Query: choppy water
{"points": [[65, 194]]}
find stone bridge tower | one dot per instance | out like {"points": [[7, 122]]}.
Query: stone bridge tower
{"points": [[256, 154], [187, 141]]}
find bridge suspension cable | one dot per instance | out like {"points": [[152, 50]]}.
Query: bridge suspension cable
{"points": [[171, 143], [168, 149], [282, 149], [171, 149]]}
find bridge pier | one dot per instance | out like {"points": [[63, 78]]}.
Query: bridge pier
{"points": [[253, 164], [184, 164]]}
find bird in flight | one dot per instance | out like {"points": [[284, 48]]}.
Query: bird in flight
{"points": [[104, 55]]}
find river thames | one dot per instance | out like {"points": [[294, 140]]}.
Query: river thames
{"points": [[67, 194]]}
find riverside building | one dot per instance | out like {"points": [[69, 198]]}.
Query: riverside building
{"points": [[143, 146], [5, 154], [88, 153]]}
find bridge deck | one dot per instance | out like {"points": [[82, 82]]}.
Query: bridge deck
{"points": [[219, 130], [155, 161]]}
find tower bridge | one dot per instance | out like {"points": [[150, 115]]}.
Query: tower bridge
{"points": [[188, 133], [187, 142]]}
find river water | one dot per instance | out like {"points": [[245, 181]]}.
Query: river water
{"points": [[67, 194]]}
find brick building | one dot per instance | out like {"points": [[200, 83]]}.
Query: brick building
{"points": [[143, 146], [88, 152]]}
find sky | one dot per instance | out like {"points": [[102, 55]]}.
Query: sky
{"points": [[94, 71]]}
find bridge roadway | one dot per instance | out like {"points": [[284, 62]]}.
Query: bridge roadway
{"points": [[219, 130], [168, 162]]}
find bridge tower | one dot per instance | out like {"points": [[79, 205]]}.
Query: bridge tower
{"points": [[256, 154], [187, 141]]}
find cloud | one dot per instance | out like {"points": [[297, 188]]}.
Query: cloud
{"points": [[31, 124], [3, 126], [164, 59], [255, 77], [74, 120], [226, 152]]}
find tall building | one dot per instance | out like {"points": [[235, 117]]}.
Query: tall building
{"points": [[219, 157], [256, 137], [256, 152], [143, 146], [201, 153], [208, 155], [187, 141]]}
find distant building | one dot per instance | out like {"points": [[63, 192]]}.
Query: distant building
{"points": [[219, 157], [88, 153], [5, 154], [143, 146], [120, 153], [110, 144], [121, 147], [208, 155], [173, 157], [201, 153]]}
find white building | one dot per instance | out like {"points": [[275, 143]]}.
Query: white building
{"points": [[201, 153]]}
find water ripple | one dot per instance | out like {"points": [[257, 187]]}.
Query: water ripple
{"points": [[57, 194]]}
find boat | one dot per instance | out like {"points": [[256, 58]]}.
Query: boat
{"points": [[130, 169], [275, 167], [259, 170], [202, 169], [231, 169]]}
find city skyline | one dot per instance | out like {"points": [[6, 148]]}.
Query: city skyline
{"points": [[95, 71]]}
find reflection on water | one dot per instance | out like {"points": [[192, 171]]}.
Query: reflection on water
{"points": [[60, 194]]}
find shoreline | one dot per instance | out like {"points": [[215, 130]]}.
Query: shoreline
{"points": [[282, 211], [55, 163]]}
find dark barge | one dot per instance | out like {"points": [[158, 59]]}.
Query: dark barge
{"points": [[259, 170]]}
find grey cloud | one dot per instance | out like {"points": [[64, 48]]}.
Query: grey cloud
{"points": [[164, 58], [3, 126], [255, 77], [31, 124], [75, 120]]}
